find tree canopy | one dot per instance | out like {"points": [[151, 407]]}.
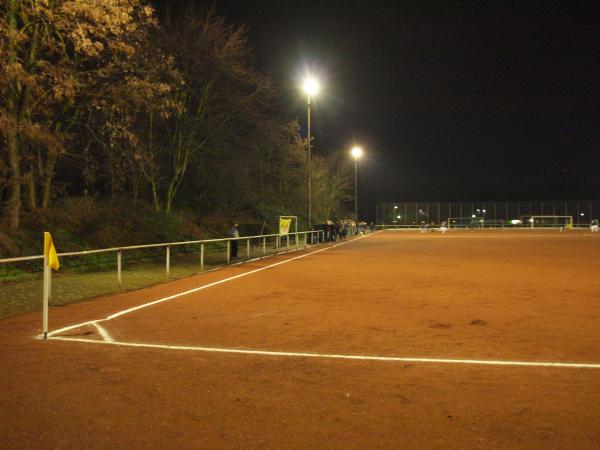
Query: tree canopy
{"points": [[104, 100]]}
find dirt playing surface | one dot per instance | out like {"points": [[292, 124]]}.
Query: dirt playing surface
{"points": [[495, 297]]}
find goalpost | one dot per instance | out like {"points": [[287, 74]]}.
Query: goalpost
{"points": [[550, 222], [564, 222]]}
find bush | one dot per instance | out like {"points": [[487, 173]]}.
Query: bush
{"points": [[88, 223]]}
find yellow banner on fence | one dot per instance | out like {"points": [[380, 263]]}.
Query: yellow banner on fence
{"points": [[284, 226], [50, 252]]}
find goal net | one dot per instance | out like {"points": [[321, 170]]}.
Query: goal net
{"points": [[548, 221]]}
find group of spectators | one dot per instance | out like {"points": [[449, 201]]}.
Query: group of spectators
{"points": [[341, 229], [332, 231]]}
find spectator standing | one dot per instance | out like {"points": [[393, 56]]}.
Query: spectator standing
{"points": [[234, 233]]}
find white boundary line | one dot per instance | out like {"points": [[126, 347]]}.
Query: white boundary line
{"points": [[200, 288], [493, 236], [107, 337], [337, 356]]}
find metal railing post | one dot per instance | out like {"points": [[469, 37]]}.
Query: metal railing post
{"points": [[248, 248], [119, 269], [287, 241], [228, 251], [201, 256], [168, 262], [264, 246], [306, 238], [297, 243], [46, 298]]}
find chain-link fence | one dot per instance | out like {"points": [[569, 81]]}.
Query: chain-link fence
{"points": [[492, 212]]}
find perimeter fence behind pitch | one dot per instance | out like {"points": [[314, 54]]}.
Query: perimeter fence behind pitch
{"points": [[89, 273], [488, 214]]}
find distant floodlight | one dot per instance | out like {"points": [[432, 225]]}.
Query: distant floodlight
{"points": [[395, 207], [311, 86], [356, 152], [399, 217], [473, 216]]}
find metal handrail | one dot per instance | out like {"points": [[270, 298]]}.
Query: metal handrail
{"points": [[47, 286], [165, 244], [21, 258]]}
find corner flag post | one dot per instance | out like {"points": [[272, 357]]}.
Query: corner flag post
{"points": [[47, 285], [50, 262]]}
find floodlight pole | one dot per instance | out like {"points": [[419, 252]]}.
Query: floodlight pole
{"points": [[309, 174], [356, 190]]}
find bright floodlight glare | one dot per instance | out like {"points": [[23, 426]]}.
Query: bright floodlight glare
{"points": [[356, 152], [311, 86]]}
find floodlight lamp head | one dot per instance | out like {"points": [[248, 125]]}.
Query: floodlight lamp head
{"points": [[356, 152], [311, 86]]}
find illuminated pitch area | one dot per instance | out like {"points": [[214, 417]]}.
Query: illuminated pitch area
{"points": [[395, 340], [469, 289]]}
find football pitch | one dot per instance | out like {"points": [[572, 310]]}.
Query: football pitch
{"points": [[397, 339]]}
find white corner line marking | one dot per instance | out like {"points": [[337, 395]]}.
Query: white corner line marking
{"points": [[107, 337], [200, 288], [337, 356]]}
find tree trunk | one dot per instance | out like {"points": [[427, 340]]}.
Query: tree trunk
{"points": [[12, 139], [14, 200], [155, 198], [48, 176], [30, 184]]}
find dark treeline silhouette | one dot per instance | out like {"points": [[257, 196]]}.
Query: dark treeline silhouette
{"points": [[103, 100]]}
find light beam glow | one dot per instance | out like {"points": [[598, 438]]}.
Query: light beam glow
{"points": [[311, 86], [356, 152]]}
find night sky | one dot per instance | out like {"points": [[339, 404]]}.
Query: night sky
{"points": [[450, 100]]}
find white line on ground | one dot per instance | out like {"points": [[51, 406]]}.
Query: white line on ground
{"points": [[345, 357], [103, 332], [475, 236], [191, 291]]}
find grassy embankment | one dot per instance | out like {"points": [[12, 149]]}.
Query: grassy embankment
{"points": [[83, 224]]}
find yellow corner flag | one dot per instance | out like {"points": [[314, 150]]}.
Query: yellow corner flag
{"points": [[50, 252]]}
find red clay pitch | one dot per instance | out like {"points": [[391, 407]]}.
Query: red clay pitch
{"points": [[488, 296]]}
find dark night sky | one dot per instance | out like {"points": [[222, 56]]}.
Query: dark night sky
{"points": [[450, 100]]}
